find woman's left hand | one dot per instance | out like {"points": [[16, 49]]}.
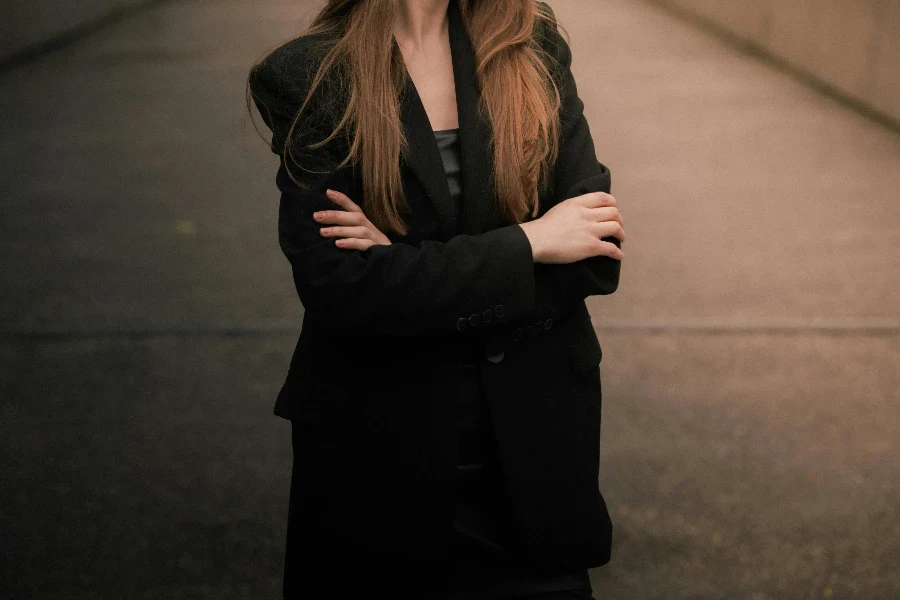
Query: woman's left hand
{"points": [[353, 227]]}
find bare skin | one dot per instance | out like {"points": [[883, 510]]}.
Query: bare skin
{"points": [[571, 230], [422, 30], [568, 232]]}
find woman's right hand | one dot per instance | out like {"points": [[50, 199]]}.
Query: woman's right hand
{"points": [[571, 230]]}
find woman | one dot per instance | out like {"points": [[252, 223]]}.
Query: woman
{"points": [[444, 216]]}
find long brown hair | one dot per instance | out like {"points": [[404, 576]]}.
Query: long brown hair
{"points": [[519, 97]]}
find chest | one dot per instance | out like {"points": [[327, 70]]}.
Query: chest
{"points": [[432, 72]]}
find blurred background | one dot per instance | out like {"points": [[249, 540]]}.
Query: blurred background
{"points": [[751, 370]]}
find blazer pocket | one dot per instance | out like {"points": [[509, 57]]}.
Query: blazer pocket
{"points": [[582, 345]]}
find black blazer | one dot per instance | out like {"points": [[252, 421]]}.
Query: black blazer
{"points": [[371, 387]]}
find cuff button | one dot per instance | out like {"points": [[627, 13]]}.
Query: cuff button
{"points": [[461, 323], [475, 320], [499, 311]]}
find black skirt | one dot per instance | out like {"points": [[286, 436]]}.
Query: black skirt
{"points": [[486, 559]]}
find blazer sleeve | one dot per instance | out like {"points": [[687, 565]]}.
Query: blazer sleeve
{"points": [[469, 282], [559, 287]]}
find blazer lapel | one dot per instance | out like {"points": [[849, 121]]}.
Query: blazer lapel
{"points": [[474, 131], [474, 136], [425, 158]]}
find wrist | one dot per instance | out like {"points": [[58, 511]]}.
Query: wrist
{"points": [[532, 233]]}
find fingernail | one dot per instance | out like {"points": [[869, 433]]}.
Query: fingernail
{"points": [[329, 192], [318, 215]]}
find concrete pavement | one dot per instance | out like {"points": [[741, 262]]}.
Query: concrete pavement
{"points": [[751, 354]]}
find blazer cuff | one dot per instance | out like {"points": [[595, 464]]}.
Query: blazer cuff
{"points": [[516, 268]]}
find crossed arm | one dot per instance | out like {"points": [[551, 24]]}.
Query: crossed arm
{"points": [[426, 289]]}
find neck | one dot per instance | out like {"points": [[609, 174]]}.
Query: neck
{"points": [[416, 22]]}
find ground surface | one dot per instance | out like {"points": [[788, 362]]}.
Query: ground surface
{"points": [[751, 354]]}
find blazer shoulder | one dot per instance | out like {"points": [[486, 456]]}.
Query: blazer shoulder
{"points": [[550, 40], [280, 83], [290, 68]]}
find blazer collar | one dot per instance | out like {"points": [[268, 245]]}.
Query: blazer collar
{"points": [[476, 159]]}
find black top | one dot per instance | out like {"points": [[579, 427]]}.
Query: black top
{"points": [[448, 142]]}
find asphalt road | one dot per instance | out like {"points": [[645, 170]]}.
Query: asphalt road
{"points": [[751, 354]]}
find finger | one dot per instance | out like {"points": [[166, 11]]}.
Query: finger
{"points": [[609, 229], [382, 239], [353, 243], [609, 249], [606, 213], [340, 217], [348, 232], [596, 199], [342, 200]]}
